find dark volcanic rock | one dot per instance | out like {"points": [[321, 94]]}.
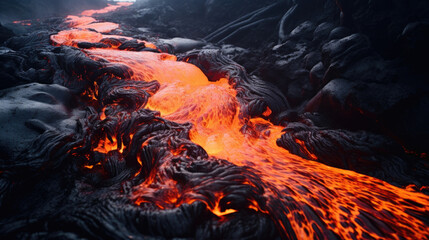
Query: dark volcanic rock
{"points": [[242, 22], [384, 21], [87, 45], [363, 152], [19, 68], [414, 44], [5, 34], [341, 99], [30, 41], [29, 110]]}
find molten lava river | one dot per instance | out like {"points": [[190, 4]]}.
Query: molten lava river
{"points": [[181, 118]]}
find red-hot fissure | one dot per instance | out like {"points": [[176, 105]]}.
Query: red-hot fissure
{"points": [[338, 197]]}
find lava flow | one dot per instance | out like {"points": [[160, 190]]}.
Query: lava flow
{"points": [[107, 9], [305, 199]]}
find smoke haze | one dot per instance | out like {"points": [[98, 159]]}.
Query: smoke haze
{"points": [[31, 9]]}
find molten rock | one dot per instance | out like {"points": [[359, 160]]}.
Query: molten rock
{"points": [[132, 141]]}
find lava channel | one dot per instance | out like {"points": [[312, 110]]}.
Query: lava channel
{"points": [[305, 199]]}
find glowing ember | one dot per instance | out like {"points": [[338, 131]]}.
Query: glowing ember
{"points": [[23, 22], [339, 199]]}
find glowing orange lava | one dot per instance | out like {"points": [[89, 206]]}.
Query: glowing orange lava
{"points": [[105, 146], [107, 9], [337, 196], [72, 37], [76, 21], [87, 29], [90, 23]]}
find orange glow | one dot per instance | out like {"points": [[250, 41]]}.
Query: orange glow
{"points": [[150, 45], [103, 115], [73, 37], [90, 23], [105, 146], [187, 96], [336, 196], [109, 8], [103, 27], [75, 21], [87, 29], [267, 112], [23, 22], [309, 154], [219, 213]]}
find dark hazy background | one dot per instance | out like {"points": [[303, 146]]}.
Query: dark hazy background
{"points": [[31, 9]]}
